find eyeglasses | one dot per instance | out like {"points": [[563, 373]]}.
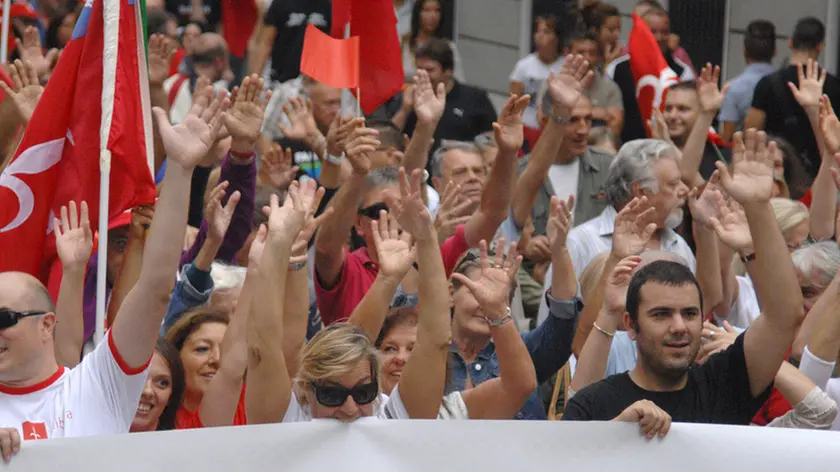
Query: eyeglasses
{"points": [[372, 211], [333, 396], [9, 318]]}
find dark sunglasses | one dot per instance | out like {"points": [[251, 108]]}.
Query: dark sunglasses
{"points": [[333, 396], [372, 211], [9, 318]]}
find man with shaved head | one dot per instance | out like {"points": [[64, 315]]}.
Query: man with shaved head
{"points": [[41, 399]]}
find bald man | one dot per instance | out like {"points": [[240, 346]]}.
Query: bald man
{"points": [[209, 59]]}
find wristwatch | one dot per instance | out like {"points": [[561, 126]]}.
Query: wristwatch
{"points": [[501, 321], [334, 160], [561, 120], [294, 266]]}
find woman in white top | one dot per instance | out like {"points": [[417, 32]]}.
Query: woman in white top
{"points": [[338, 373], [427, 23]]}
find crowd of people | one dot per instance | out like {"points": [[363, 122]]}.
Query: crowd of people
{"points": [[437, 259]]}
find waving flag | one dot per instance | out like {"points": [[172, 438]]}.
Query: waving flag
{"points": [[328, 60], [94, 112], [651, 73]]}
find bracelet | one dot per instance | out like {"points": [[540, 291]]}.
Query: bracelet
{"points": [[242, 155], [501, 321], [748, 258], [561, 120], [295, 266], [334, 160], [606, 333]]}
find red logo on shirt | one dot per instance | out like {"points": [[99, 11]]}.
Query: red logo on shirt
{"points": [[32, 431]]}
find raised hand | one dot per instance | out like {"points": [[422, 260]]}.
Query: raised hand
{"points": [[73, 237], [27, 89], [29, 49], [652, 419], [453, 211], [567, 86], [301, 121], [257, 246], [492, 289], [285, 222], [559, 223], [811, 81], [244, 119], [709, 96], [160, 55], [508, 127], [276, 167], [395, 251], [732, 227], [830, 126], [615, 292], [339, 132], [634, 227], [752, 177], [716, 339], [707, 205], [218, 216], [428, 102], [360, 144], [310, 225], [141, 220], [658, 127], [410, 211], [188, 142]]}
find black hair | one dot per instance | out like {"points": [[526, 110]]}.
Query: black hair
{"points": [[760, 41], [808, 34], [415, 22], [587, 35], [438, 50], [796, 177], [51, 35], [172, 358], [403, 316], [672, 274], [156, 22], [553, 22], [389, 134], [596, 15]]}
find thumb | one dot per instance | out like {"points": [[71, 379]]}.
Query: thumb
{"points": [[716, 225], [162, 119], [728, 327], [725, 177], [465, 281]]}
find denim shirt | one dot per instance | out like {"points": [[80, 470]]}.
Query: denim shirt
{"points": [[184, 297], [550, 346]]}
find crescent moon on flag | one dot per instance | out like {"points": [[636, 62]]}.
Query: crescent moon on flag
{"points": [[34, 160]]}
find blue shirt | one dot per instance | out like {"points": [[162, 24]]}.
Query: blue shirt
{"points": [[550, 346], [738, 99]]}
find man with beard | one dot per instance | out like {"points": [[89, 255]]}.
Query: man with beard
{"points": [[664, 315]]}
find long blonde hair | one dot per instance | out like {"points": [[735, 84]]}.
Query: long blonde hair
{"points": [[335, 351]]}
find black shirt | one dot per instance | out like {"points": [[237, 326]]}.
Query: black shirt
{"points": [[717, 392], [634, 127], [290, 18], [468, 113], [182, 9], [710, 157], [784, 117]]}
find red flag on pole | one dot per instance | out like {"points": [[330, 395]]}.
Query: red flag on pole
{"points": [[328, 60], [380, 55], [239, 17], [341, 12], [651, 73]]}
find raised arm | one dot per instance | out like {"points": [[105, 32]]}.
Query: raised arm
{"points": [[74, 243], [20, 102], [769, 338], [422, 383], [396, 255], [335, 169], [269, 384], [495, 199], [262, 49], [565, 88], [502, 397], [428, 107], [136, 327], [705, 206], [823, 190], [710, 98], [330, 241]]}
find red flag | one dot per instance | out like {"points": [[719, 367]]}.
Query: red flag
{"points": [[239, 18], [58, 158], [380, 55], [334, 62], [651, 72], [33, 431], [341, 12]]}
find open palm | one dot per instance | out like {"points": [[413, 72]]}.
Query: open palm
{"points": [[508, 128], [633, 228], [732, 228], [188, 142], [301, 121], [811, 81], [751, 179], [709, 96], [615, 292], [428, 102], [73, 237], [244, 120], [567, 86]]}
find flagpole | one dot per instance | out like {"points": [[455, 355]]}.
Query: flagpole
{"points": [[111, 27], [359, 102], [4, 41]]}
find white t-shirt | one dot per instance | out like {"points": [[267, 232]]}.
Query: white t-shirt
{"points": [[820, 371], [564, 179], [745, 309], [97, 397], [386, 408], [531, 72]]}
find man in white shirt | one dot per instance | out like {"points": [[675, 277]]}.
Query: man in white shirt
{"points": [[40, 399], [643, 167]]}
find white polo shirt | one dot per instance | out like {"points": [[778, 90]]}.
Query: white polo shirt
{"points": [[97, 397]]}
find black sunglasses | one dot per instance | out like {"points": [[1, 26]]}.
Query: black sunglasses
{"points": [[333, 396], [372, 211], [9, 318]]}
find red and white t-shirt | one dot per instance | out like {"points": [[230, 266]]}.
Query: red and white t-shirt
{"points": [[98, 397]]}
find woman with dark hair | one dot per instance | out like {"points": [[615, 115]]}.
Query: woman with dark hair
{"points": [[163, 392], [427, 23]]}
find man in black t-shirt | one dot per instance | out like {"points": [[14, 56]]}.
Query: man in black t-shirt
{"points": [[664, 314], [774, 107], [282, 37]]}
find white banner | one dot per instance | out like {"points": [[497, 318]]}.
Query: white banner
{"points": [[437, 446]]}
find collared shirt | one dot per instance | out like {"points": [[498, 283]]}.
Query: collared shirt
{"points": [[550, 346], [587, 241], [739, 96]]}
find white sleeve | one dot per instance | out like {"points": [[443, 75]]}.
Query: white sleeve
{"points": [[294, 413], [816, 411], [745, 309], [518, 74], [818, 370], [453, 408], [393, 407], [107, 384]]}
